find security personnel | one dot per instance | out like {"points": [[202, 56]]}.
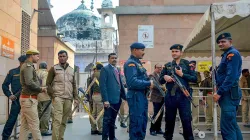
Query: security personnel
{"points": [[245, 98], [195, 94], [138, 83], [175, 98], [62, 88], [228, 94], [28, 99], [208, 101], [44, 101], [97, 100], [89, 94], [13, 79]]}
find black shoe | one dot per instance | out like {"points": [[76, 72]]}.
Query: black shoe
{"points": [[94, 132], [70, 121], [47, 133], [209, 129], [246, 125], [123, 125], [99, 132], [153, 133], [115, 139], [115, 127], [160, 132]]}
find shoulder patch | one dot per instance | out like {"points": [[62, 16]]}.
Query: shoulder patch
{"points": [[131, 65], [229, 56]]}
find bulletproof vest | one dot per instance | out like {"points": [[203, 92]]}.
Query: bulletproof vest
{"points": [[63, 82]]}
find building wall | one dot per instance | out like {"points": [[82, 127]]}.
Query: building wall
{"points": [[169, 29], [10, 27]]}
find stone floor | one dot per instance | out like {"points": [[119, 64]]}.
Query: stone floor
{"points": [[80, 130]]}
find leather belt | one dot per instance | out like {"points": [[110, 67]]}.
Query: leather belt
{"points": [[28, 96]]}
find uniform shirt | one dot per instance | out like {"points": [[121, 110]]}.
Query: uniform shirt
{"points": [[13, 79], [50, 78], [229, 70], [188, 74], [244, 84], [135, 74], [42, 76], [207, 82], [29, 80], [96, 87]]}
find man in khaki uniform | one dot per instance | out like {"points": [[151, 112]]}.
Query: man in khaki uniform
{"points": [[62, 88], [89, 94], [123, 103], [245, 98], [208, 102], [44, 101], [195, 111], [28, 99], [97, 100]]}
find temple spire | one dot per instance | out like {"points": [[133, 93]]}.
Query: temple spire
{"points": [[92, 5], [82, 1]]}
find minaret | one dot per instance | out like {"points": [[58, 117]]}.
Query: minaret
{"points": [[92, 5]]}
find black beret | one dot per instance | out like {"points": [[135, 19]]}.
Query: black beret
{"points": [[99, 66], [22, 58], [137, 45], [176, 46], [224, 36], [193, 61]]}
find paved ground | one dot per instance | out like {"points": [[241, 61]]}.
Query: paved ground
{"points": [[80, 130]]}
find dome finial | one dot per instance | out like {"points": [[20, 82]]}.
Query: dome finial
{"points": [[92, 5], [82, 1]]}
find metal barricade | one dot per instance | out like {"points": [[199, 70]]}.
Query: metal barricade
{"points": [[201, 117]]}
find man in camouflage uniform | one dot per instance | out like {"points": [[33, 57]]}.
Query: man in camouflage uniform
{"points": [[28, 99], [44, 101]]}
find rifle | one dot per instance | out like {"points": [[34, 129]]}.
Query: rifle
{"points": [[183, 88]]}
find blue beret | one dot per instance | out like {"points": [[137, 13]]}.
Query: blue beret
{"points": [[176, 46], [224, 36], [193, 61], [22, 58], [137, 45]]}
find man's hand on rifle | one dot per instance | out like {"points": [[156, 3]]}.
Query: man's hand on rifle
{"points": [[106, 104], [179, 72], [12, 97], [168, 78], [152, 84]]}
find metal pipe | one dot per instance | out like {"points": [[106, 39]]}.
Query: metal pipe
{"points": [[213, 72]]}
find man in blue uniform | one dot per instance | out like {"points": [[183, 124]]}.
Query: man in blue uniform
{"points": [[229, 93], [175, 98], [13, 79], [137, 83]]}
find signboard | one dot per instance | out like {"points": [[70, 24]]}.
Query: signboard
{"points": [[204, 66], [7, 48], [146, 64], [146, 35]]}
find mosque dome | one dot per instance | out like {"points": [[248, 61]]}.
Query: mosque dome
{"points": [[107, 4], [80, 24]]}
